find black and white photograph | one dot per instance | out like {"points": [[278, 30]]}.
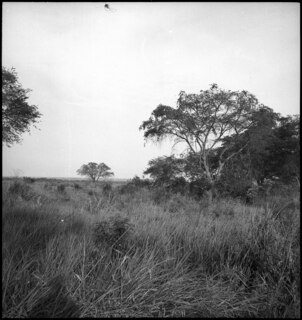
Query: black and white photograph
{"points": [[151, 160]]}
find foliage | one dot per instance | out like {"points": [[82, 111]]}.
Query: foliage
{"points": [[76, 186], [28, 180], [204, 121], [236, 178], [17, 114], [234, 144], [160, 195], [177, 175], [272, 152], [20, 189], [133, 185], [61, 188], [107, 188], [257, 140], [283, 159], [165, 169], [95, 171], [140, 183], [167, 173]]}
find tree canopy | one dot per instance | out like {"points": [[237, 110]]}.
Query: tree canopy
{"points": [[95, 171], [164, 169], [17, 114], [214, 118], [283, 154]]}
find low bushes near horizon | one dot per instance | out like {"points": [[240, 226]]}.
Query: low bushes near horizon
{"points": [[132, 257]]}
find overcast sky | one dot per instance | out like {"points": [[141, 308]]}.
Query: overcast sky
{"points": [[97, 74]]}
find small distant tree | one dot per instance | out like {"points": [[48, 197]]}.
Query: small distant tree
{"points": [[17, 114], [95, 171]]}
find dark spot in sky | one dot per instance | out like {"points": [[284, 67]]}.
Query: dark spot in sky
{"points": [[107, 7]]}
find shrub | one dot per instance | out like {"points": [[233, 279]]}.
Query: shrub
{"points": [[107, 188], [21, 189], [176, 203], [140, 183], [47, 186], [160, 195], [76, 186], [113, 233], [28, 180], [127, 188], [90, 193], [197, 188], [178, 185], [134, 185], [61, 188]]}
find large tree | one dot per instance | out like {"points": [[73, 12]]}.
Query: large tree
{"points": [[273, 150], [17, 114], [204, 122], [257, 139], [95, 171]]}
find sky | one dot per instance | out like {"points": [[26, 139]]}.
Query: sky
{"points": [[97, 74]]}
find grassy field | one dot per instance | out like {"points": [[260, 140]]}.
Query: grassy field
{"points": [[74, 249]]}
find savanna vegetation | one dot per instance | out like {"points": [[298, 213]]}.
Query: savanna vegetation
{"points": [[84, 249], [95, 171], [213, 232]]}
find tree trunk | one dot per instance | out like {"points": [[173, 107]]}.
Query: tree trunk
{"points": [[210, 194]]}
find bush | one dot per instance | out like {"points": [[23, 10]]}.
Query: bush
{"points": [[178, 185], [47, 186], [28, 180], [107, 188], [127, 188], [113, 233], [176, 203], [134, 185], [160, 195], [21, 189], [197, 188], [61, 188], [76, 186], [141, 183]]}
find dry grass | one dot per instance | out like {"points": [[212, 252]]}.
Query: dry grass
{"points": [[67, 254]]}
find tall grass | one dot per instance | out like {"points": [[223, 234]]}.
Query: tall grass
{"points": [[113, 254]]}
